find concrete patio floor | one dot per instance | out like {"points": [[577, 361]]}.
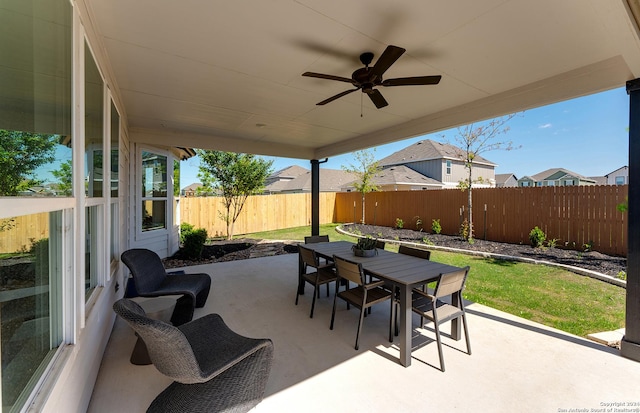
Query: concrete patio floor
{"points": [[515, 366]]}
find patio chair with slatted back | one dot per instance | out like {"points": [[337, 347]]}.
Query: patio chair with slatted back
{"points": [[214, 369], [323, 274], [431, 307], [363, 295], [314, 239], [415, 252]]}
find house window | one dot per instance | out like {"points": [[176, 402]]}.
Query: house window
{"points": [[93, 126], [525, 183], [539, 183], [551, 183], [448, 167], [620, 180], [93, 232], [154, 191], [30, 300], [568, 182]]}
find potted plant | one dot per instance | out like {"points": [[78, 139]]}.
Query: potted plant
{"points": [[365, 247]]}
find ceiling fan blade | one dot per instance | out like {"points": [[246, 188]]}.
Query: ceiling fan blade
{"points": [[409, 81], [389, 57], [377, 98], [329, 77], [332, 98]]}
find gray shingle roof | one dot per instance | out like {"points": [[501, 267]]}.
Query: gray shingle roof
{"points": [[427, 150]]}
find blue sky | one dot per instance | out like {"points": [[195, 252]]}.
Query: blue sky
{"points": [[588, 135]]}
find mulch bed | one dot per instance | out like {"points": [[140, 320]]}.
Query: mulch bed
{"points": [[242, 249]]}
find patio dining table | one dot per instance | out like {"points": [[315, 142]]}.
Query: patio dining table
{"points": [[403, 271]]}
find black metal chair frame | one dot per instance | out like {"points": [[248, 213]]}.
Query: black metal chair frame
{"points": [[323, 274]]}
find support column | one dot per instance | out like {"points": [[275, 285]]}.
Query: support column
{"points": [[630, 345], [315, 195]]}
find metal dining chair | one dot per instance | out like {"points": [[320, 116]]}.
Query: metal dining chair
{"points": [[323, 274], [431, 307], [362, 296]]}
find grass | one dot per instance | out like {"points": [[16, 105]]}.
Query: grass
{"points": [[551, 296]]}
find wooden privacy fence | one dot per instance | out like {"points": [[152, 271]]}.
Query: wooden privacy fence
{"points": [[576, 216], [260, 213]]}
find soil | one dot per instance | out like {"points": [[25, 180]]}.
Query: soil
{"points": [[249, 248], [589, 260]]}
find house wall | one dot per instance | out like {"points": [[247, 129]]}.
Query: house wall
{"points": [[64, 382], [622, 173], [437, 169]]}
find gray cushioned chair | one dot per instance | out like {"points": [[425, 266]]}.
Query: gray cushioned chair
{"points": [[213, 368], [152, 280]]}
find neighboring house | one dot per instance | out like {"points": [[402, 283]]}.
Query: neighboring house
{"points": [[400, 178], [506, 180], [600, 180], [331, 180], [618, 177], [556, 177], [441, 162], [279, 180], [190, 190]]}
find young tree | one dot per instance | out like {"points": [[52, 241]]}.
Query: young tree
{"points": [[365, 169], [234, 176], [20, 154], [473, 140]]}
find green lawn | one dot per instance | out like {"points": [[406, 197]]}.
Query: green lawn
{"points": [[547, 295]]}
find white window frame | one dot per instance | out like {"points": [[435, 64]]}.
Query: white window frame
{"points": [[138, 198]]}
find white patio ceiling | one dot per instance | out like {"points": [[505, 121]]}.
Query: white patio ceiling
{"points": [[227, 75]]}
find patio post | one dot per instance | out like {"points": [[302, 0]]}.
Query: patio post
{"points": [[630, 344], [315, 197]]}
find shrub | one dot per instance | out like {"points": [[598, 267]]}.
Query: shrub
{"points": [[435, 226], [399, 223], [552, 242], [464, 230], [185, 228], [427, 241], [194, 243], [537, 237], [622, 275], [418, 222]]}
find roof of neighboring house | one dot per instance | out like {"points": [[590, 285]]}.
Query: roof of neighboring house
{"points": [[402, 175], [561, 172], [289, 172], [192, 187], [331, 180], [502, 178], [426, 150], [619, 169], [599, 180]]}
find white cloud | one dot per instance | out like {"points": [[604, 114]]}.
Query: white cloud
{"points": [[545, 126]]}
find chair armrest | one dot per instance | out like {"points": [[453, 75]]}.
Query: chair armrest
{"points": [[424, 294], [374, 284]]}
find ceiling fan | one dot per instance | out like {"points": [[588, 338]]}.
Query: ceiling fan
{"points": [[367, 78]]}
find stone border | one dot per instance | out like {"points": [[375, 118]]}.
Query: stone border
{"points": [[580, 271]]}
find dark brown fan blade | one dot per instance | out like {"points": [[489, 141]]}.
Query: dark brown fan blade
{"points": [[389, 57], [409, 81], [377, 98], [329, 77], [332, 98]]}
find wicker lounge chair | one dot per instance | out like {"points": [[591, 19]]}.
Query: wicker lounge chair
{"points": [[213, 368], [152, 280]]}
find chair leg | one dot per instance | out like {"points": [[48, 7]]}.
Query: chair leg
{"points": [[466, 332], [316, 291], [363, 310], [436, 326], [333, 312], [391, 321]]}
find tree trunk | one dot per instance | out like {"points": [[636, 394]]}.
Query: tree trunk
{"points": [[470, 205], [363, 209]]}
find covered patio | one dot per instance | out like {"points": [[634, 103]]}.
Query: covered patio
{"points": [[516, 365]]}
